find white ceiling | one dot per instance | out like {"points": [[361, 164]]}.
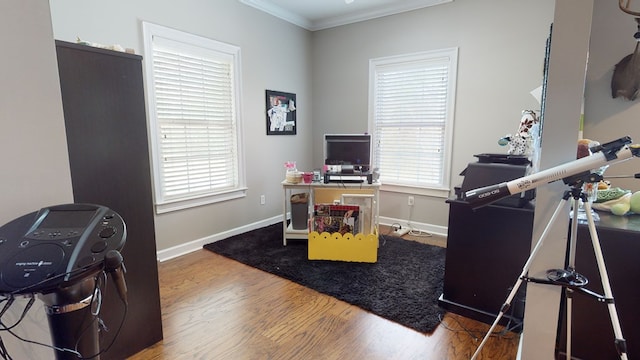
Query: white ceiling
{"points": [[323, 14]]}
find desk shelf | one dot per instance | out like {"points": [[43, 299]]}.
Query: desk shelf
{"points": [[320, 192], [296, 233]]}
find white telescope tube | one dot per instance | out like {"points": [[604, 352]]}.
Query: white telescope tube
{"points": [[486, 195]]}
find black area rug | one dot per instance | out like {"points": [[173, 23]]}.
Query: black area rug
{"points": [[402, 286]]}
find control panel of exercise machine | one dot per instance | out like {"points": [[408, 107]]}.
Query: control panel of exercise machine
{"points": [[57, 246]]}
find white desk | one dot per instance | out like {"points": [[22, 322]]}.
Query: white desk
{"points": [[319, 192]]}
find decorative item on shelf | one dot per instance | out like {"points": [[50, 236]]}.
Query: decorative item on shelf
{"points": [[523, 142], [114, 47], [625, 81], [307, 177], [591, 189], [618, 201], [292, 175]]}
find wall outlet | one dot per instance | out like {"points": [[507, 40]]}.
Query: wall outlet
{"points": [[263, 200], [410, 201]]}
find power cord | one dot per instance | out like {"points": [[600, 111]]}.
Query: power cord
{"points": [[511, 325], [413, 232], [96, 299], [3, 351], [26, 309], [419, 233], [393, 228], [476, 335], [70, 274]]}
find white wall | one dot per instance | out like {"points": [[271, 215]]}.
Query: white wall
{"points": [[275, 55], [607, 118], [33, 152], [565, 88], [329, 72], [494, 81], [33, 148], [501, 55]]}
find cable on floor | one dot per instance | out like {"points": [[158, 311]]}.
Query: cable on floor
{"points": [[477, 335]]}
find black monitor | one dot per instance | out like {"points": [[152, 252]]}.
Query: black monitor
{"points": [[348, 149]]}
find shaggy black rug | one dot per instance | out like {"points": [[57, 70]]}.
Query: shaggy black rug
{"points": [[402, 286]]}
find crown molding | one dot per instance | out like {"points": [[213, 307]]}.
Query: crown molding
{"points": [[374, 13], [279, 12], [296, 19]]}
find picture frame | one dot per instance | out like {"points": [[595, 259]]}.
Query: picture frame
{"points": [[366, 203], [280, 112]]}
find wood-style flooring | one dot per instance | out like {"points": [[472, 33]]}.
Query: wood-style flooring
{"points": [[217, 308]]}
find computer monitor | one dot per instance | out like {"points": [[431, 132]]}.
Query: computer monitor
{"points": [[348, 149]]}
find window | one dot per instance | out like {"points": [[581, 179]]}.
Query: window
{"points": [[193, 96], [411, 118]]}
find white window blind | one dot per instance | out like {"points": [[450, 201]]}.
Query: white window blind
{"points": [[412, 114], [194, 112]]}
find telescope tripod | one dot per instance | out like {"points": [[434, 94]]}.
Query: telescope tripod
{"points": [[570, 280]]}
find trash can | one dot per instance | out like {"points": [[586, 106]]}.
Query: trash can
{"points": [[299, 211]]}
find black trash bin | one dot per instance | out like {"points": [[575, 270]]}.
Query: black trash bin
{"points": [[299, 211]]}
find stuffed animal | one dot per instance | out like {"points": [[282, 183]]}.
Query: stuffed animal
{"points": [[522, 142]]}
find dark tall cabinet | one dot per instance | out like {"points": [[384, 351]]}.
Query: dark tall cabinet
{"points": [[104, 111], [486, 251]]}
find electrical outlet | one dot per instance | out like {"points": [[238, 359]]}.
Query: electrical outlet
{"points": [[263, 200], [410, 201]]}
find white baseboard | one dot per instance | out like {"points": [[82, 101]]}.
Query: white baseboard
{"points": [[430, 228], [191, 246]]}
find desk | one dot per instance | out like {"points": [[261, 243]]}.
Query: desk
{"points": [[321, 193]]}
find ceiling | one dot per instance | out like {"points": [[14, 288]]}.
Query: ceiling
{"points": [[322, 14]]}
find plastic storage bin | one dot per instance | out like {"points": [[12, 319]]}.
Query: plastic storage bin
{"points": [[299, 211]]}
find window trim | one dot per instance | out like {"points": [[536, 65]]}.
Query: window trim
{"points": [[163, 205], [452, 54]]}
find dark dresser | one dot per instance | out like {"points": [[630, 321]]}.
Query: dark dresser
{"points": [[486, 251]]}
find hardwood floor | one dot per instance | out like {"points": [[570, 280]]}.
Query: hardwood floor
{"points": [[217, 308]]}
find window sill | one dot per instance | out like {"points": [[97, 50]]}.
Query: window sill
{"points": [[414, 190], [177, 205]]}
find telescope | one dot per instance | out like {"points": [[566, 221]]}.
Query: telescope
{"points": [[574, 173], [610, 153]]}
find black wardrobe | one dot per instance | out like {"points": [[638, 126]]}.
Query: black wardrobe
{"points": [[104, 111]]}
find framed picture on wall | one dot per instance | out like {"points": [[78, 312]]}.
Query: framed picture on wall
{"points": [[281, 113]]}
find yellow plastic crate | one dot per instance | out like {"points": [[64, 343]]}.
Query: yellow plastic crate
{"points": [[338, 247]]}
